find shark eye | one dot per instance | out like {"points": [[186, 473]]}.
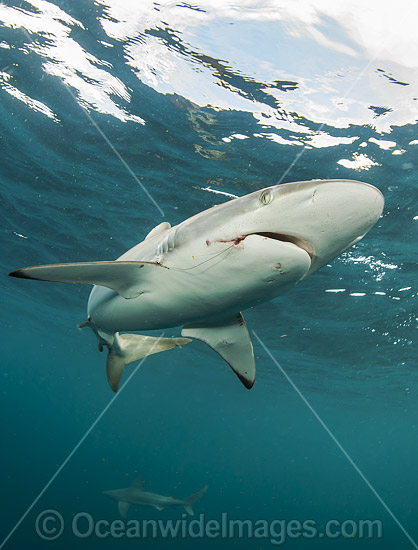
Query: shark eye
{"points": [[266, 197]]}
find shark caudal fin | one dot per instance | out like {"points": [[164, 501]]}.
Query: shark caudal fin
{"points": [[189, 501], [132, 347]]}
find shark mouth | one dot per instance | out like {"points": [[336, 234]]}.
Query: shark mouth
{"points": [[283, 237]]}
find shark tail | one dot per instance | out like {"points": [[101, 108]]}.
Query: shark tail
{"points": [[132, 347], [189, 501]]}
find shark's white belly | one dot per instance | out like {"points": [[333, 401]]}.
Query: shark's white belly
{"points": [[204, 271], [215, 282]]}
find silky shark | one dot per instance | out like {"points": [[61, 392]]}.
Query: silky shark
{"points": [[135, 494], [202, 273]]}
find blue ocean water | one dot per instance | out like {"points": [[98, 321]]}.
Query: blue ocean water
{"points": [[118, 115]]}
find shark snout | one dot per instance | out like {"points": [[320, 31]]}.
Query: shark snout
{"points": [[328, 215], [344, 212]]}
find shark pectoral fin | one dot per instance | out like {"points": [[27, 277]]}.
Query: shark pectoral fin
{"points": [[123, 508], [132, 347], [231, 340], [126, 278]]}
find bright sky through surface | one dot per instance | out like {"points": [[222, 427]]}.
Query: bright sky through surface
{"points": [[348, 35]]}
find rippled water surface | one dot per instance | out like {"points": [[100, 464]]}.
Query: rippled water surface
{"points": [[117, 115]]}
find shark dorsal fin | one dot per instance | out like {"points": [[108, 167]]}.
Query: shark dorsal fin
{"points": [[158, 230], [138, 483]]}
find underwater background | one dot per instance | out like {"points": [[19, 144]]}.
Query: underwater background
{"points": [[117, 115]]}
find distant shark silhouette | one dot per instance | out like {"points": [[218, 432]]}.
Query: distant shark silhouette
{"points": [[135, 494], [203, 272]]}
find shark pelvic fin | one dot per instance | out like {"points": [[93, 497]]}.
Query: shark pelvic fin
{"points": [[126, 278], [131, 347], [189, 501], [231, 340], [158, 507], [123, 508]]}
